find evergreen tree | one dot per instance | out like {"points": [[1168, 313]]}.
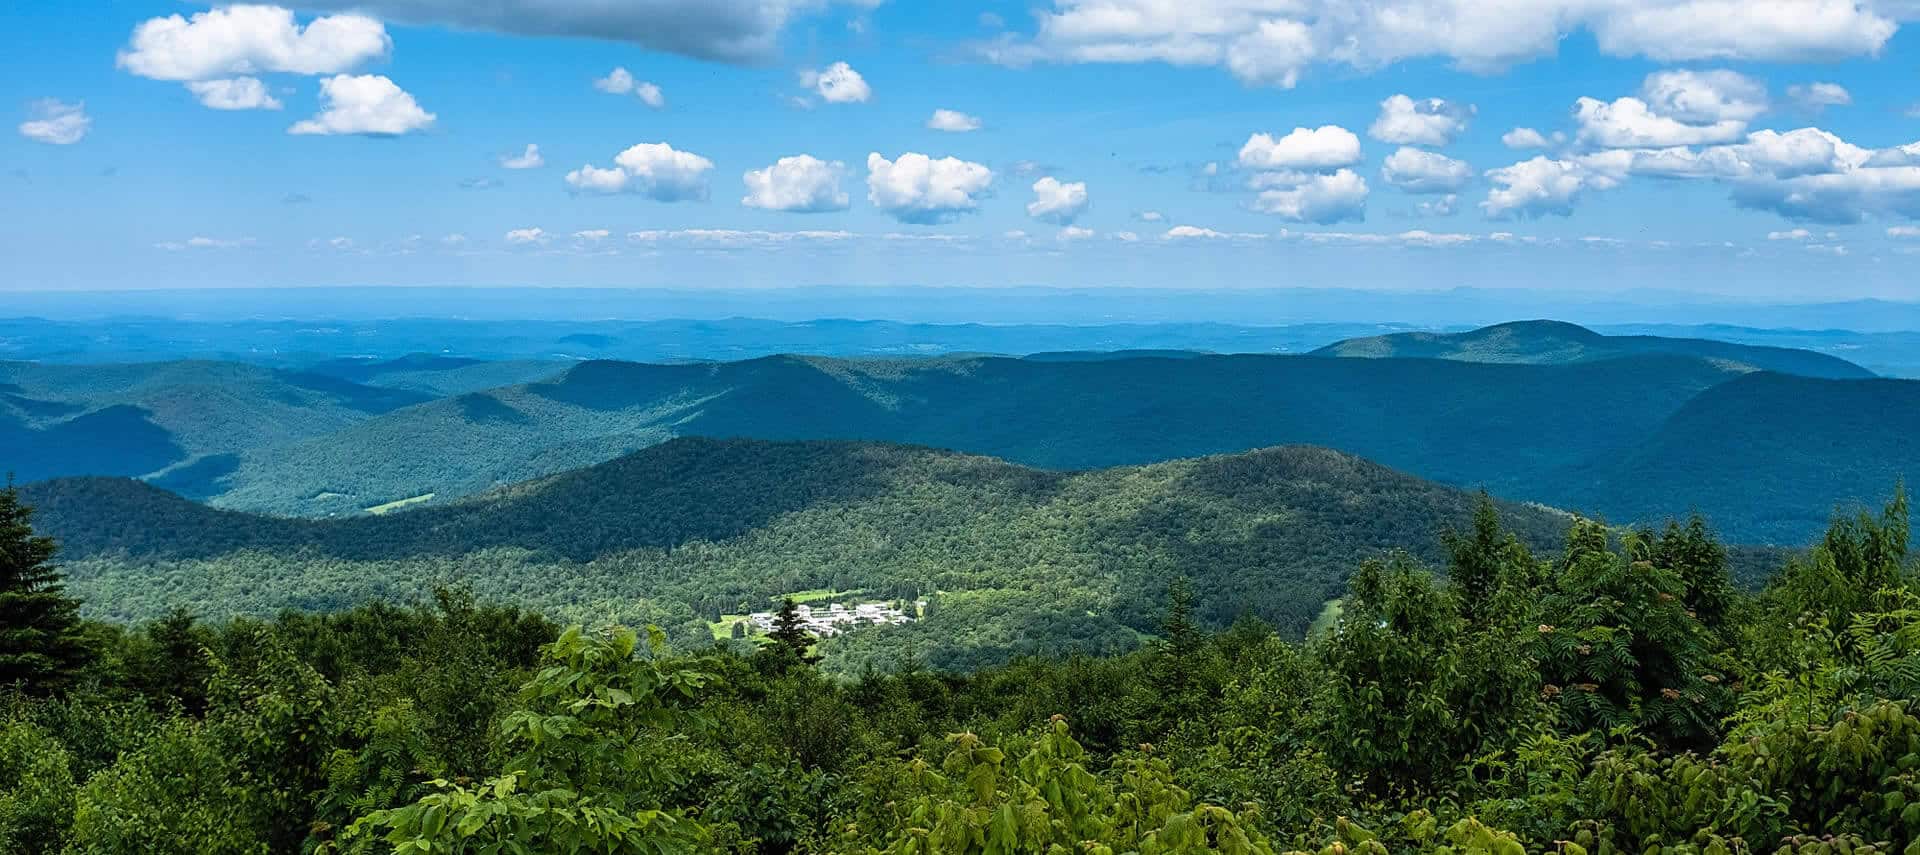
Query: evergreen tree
{"points": [[1182, 635], [1478, 557], [791, 641], [41, 643]]}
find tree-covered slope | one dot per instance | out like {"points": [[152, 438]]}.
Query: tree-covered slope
{"points": [[1022, 559], [134, 419], [1555, 342], [1471, 424], [1767, 455]]}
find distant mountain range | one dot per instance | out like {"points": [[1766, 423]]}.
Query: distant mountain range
{"points": [[1023, 560], [1556, 343], [1538, 411]]}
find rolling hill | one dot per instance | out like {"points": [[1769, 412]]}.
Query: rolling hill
{"points": [[1766, 455], [1500, 426], [137, 418], [1024, 560], [1558, 343]]}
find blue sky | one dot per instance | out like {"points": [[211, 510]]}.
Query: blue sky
{"points": [[369, 143]]}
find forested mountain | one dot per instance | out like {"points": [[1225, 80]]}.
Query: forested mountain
{"points": [[1770, 456], [137, 418], [1017, 559], [1568, 427], [1555, 342], [1495, 425], [438, 376]]}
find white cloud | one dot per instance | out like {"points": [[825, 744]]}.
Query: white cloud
{"points": [[56, 122], [655, 170], [1272, 42], [1428, 121], [1056, 202], [250, 39], [591, 235], [798, 184], [1631, 123], [1848, 196], [1126, 237], [1704, 97], [201, 242], [837, 84], [1445, 206], [1816, 97], [736, 239], [953, 121], [1765, 154], [1795, 234], [454, 239], [620, 81], [237, 93], [1321, 199], [1325, 147], [1523, 138], [1417, 171], [919, 189], [1150, 216], [367, 104], [1904, 232], [528, 159], [1072, 233], [1185, 232], [525, 237], [740, 31], [1273, 54], [1541, 186]]}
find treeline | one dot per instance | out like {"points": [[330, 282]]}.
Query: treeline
{"points": [[1618, 695]]}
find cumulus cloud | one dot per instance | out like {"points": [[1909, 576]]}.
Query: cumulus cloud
{"points": [[1816, 97], [798, 184], [528, 159], [1523, 138], [591, 235], [657, 171], [1073, 233], [953, 121], [1149, 216], [738, 31], [1428, 121], [1542, 186], [1795, 234], [250, 39], [1325, 147], [620, 81], [1056, 202], [1418, 171], [237, 93], [837, 84], [1632, 123], [56, 122], [1704, 97], [1272, 42], [527, 237], [366, 104], [1321, 199], [918, 189]]}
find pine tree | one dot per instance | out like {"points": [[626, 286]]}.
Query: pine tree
{"points": [[1183, 636], [41, 644], [790, 638]]}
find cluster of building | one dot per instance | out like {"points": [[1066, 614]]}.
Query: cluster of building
{"points": [[838, 618]]}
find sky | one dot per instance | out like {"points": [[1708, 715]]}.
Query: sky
{"points": [[1755, 148]]}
